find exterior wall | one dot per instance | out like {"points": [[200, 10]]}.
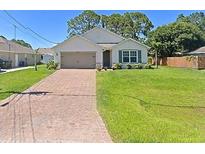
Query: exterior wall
{"points": [[47, 58], [77, 44], [197, 62], [22, 57], [98, 35], [28, 59], [31, 58], [129, 45], [8, 56]]}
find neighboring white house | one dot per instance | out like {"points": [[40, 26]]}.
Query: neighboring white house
{"points": [[17, 54], [99, 46], [46, 55]]}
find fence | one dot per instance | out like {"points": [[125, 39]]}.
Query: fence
{"points": [[197, 62]]}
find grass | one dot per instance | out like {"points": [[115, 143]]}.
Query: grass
{"points": [[21, 80], [160, 105]]}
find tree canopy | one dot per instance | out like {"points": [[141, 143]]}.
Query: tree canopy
{"points": [[82, 23], [22, 42], [196, 18], [176, 37], [135, 24]]}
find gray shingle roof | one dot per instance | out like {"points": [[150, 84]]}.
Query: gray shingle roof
{"points": [[10, 46]]}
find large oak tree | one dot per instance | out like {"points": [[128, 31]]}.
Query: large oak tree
{"points": [[175, 37], [135, 24], [82, 23]]}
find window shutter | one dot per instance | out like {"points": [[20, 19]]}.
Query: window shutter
{"points": [[139, 56], [120, 56]]}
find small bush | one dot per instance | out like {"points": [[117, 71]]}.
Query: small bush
{"points": [[129, 66], [113, 67], [99, 67], [105, 68], [148, 66], [117, 66], [138, 66], [51, 65], [5, 64]]}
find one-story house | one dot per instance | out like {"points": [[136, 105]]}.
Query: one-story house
{"points": [[99, 47], [17, 54], [46, 55]]}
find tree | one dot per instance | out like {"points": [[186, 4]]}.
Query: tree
{"points": [[104, 21], [115, 23], [22, 42], [141, 25], [135, 24], [175, 37], [82, 23], [196, 18]]}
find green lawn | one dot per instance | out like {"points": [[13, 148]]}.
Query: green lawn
{"points": [[20, 80], [160, 105]]}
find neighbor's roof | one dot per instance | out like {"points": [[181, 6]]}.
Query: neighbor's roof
{"points": [[198, 51], [10, 46], [45, 51]]}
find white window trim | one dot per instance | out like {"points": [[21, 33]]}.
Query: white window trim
{"points": [[130, 56]]}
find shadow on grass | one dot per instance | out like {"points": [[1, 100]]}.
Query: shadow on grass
{"points": [[145, 104]]}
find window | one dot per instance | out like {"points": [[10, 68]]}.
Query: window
{"points": [[130, 56], [125, 56], [133, 56], [139, 56]]}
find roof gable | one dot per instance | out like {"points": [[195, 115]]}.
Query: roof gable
{"points": [[132, 40], [77, 43], [102, 36]]}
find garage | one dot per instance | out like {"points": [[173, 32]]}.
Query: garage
{"points": [[78, 60]]}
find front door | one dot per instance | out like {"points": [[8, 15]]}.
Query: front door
{"points": [[106, 58]]}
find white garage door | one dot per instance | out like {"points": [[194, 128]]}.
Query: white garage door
{"points": [[78, 60]]}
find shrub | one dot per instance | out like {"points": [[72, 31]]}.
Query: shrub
{"points": [[51, 65], [129, 66], [117, 66], [105, 68], [113, 67], [99, 67], [5, 64], [148, 66], [138, 66]]}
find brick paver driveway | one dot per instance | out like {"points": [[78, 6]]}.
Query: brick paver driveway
{"points": [[60, 108]]}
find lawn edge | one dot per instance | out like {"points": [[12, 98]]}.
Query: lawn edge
{"points": [[32, 87]]}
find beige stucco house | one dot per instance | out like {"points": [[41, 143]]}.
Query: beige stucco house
{"points": [[99, 46], [17, 54]]}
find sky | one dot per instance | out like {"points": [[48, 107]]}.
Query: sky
{"points": [[53, 24]]}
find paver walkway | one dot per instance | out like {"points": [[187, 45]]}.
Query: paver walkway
{"points": [[60, 108], [15, 69]]}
